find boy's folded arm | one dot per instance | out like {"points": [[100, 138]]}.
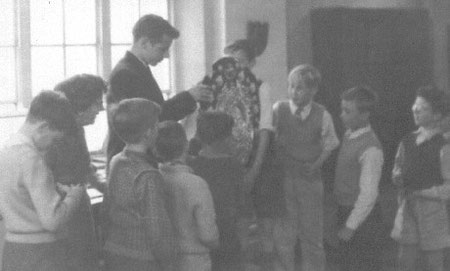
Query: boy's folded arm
{"points": [[53, 210], [440, 192], [371, 167]]}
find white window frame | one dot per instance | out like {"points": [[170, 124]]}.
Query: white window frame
{"points": [[23, 47]]}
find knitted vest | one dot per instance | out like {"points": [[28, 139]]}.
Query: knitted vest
{"points": [[422, 163], [300, 140], [348, 169]]}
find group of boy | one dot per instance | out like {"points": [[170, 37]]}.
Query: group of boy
{"points": [[182, 214]]}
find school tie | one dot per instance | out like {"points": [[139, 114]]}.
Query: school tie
{"points": [[298, 113]]}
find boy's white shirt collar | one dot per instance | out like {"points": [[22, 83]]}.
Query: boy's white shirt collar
{"points": [[425, 134], [354, 134], [305, 111]]}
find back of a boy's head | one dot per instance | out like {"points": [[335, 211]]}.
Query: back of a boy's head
{"points": [[365, 99], [82, 90], [171, 141], [132, 118], [53, 108], [308, 74], [438, 99], [214, 126]]}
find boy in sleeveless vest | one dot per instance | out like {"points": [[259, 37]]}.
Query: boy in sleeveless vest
{"points": [[422, 173], [305, 137], [358, 173], [139, 235]]}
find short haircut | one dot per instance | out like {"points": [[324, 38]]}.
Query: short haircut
{"points": [[53, 108], [82, 90], [308, 74], [244, 45], [365, 99], [154, 28], [171, 141], [438, 99], [131, 118], [214, 126]]}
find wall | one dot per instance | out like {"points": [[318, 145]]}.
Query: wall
{"points": [[207, 26], [299, 29]]}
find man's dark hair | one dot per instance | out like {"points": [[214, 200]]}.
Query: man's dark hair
{"points": [[53, 108], [365, 99], [214, 126], [154, 28], [82, 90], [171, 141], [438, 99], [244, 45], [131, 118]]}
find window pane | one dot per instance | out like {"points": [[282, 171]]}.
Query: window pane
{"points": [[46, 22], [7, 75], [158, 7], [117, 52], [123, 16], [7, 22], [80, 21], [161, 73], [47, 68], [80, 59]]}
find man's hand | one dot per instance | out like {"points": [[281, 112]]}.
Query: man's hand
{"points": [[345, 234], [201, 93]]}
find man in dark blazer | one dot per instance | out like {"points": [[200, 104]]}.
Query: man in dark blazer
{"points": [[132, 77]]}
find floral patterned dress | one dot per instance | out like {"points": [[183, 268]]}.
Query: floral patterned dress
{"points": [[236, 93]]}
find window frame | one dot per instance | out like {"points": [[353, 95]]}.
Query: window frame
{"points": [[23, 47]]}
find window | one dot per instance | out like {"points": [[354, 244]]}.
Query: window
{"points": [[45, 41]]}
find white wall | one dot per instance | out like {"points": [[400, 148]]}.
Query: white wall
{"points": [[207, 26]]}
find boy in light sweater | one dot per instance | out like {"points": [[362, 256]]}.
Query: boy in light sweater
{"points": [[358, 173], [32, 205], [192, 207]]}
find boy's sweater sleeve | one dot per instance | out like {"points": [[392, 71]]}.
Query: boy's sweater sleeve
{"points": [[160, 232], [205, 217], [53, 210]]}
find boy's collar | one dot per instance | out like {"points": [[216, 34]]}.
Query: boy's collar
{"points": [[304, 111], [351, 134]]}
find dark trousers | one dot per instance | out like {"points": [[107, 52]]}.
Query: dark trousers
{"points": [[363, 251]]}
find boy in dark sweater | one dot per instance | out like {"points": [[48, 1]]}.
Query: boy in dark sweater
{"points": [[422, 173], [139, 235], [224, 174], [358, 173]]}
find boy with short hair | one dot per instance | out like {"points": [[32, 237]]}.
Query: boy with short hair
{"points": [[358, 173], [33, 207], [224, 174], [139, 234], [192, 207], [305, 137], [422, 172]]}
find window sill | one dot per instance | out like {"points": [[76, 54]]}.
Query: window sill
{"points": [[13, 113]]}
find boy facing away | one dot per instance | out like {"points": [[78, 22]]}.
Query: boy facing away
{"points": [[305, 137], [358, 173], [192, 206], [33, 207], [224, 174], [139, 234], [422, 173]]}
